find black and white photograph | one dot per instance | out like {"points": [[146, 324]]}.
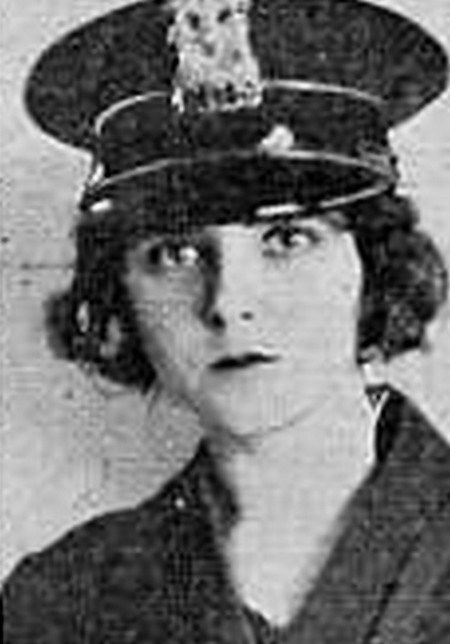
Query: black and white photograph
{"points": [[225, 322]]}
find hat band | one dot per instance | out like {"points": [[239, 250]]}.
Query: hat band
{"points": [[150, 184], [290, 84], [101, 204], [382, 164]]}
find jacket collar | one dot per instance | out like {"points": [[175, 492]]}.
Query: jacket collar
{"points": [[408, 486]]}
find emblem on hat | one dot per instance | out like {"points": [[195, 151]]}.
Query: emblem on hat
{"points": [[217, 70]]}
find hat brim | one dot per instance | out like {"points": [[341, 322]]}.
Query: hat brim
{"points": [[228, 189]]}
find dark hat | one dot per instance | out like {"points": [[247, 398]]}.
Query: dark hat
{"points": [[236, 105]]}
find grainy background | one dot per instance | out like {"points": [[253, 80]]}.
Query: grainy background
{"points": [[70, 451]]}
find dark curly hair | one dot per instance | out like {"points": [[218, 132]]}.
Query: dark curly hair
{"points": [[404, 284]]}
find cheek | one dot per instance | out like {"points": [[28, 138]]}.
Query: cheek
{"points": [[162, 301], [318, 296], [338, 277], [165, 310]]}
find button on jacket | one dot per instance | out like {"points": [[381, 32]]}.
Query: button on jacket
{"points": [[155, 574]]}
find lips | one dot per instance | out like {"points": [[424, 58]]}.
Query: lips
{"points": [[242, 360]]}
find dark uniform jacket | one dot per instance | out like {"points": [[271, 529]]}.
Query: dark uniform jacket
{"points": [[155, 574]]}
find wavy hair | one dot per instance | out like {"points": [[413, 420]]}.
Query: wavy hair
{"points": [[404, 284]]}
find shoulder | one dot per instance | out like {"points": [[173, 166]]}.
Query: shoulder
{"points": [[419, 608], [418, 459], [402, 419], [108, 560]]}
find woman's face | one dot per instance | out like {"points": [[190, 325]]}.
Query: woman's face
{"points": [[250, 324]]}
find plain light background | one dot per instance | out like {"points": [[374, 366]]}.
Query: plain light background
{"points": [[72, 447]]}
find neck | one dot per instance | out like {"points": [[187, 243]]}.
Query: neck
{"points": [[323, 452]]}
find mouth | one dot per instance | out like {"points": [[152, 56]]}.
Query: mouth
{"points": [[242, 360]]}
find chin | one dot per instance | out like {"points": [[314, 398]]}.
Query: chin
{"points": [[259, 401], [243, 414]]}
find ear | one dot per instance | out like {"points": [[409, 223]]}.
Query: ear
{"points": [[436, 330], [110, 346]]}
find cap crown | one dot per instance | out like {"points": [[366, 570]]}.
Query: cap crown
{"points": [[233, 102], [339, 42]]}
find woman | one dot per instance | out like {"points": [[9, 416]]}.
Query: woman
{"points": [[314, 510]]}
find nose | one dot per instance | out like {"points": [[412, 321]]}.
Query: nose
{"points": [[218, 320], [230, 293]]}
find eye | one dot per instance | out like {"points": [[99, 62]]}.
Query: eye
{"points": [[164, 255], [282, 237]]}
